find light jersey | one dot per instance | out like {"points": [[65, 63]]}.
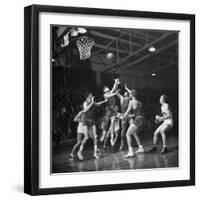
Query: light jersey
{"points": [[81, 128], [166, 109]]}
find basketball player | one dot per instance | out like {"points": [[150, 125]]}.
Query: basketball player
{"points": [[90, 120], [109, 95], [82, 132], [113, 134], [124, 101], [166, 124], [136, 121]]}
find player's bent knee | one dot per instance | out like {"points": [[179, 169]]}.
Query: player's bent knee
{"points": [[156, 133], [128, 134]]}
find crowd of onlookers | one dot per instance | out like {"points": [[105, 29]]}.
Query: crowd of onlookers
{"points": [[67, 103]]}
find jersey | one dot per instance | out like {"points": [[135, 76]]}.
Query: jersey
{"points": [[90, 115], [138, 114], [138, 110], [165, 109], [125, 104], [111, 101]]}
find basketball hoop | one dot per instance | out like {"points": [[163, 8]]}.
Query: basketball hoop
{"points": [[84, 45]]}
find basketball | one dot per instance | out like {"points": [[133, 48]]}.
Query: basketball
{"points": [[110, 56], [157, 117]]}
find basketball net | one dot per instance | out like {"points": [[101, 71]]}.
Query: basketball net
{"points": [[84, 45]]}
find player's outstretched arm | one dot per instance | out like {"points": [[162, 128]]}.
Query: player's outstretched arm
{"points": [[115, 86], [127, 89], [77, 118], [101, 102], [107, 96]]}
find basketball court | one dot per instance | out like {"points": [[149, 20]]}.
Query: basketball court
{"points": [[90, 58]]}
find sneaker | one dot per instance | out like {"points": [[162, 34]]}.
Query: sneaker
{"points": [[153, 149], [164, 150], [140, 150], [129, 155], [96, 155], [71, 157], [80, 155]]}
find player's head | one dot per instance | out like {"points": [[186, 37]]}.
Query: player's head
{"points": [[133, 93], [106, 89], [126, 94], [163, 98]]}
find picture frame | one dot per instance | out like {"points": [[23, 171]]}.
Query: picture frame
{"points": [[32, 97]]}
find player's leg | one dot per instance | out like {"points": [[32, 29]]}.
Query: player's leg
{"points": [[155, 138], [95, 141], [138, 122], [76, 146], [140, 146], [83, 142], [123, 134], [112, 127], [132, 128], [103, 128], [106, 138], [116, 136], [164, 129]]}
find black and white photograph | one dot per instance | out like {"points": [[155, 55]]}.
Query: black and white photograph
{"points": [[114, 99], [109, 100]]}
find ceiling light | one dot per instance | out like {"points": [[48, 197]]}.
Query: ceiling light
{"points": [[152, 49]]}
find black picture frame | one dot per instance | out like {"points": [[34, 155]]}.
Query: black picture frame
{"points": [[31, 98]]}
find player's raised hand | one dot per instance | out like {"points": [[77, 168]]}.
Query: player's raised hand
{"points": [[118, 91], [126, 86], [157, 117]]}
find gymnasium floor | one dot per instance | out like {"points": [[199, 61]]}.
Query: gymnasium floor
{"points": [[115, 161]]}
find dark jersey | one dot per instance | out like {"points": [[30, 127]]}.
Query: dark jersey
{"points": [[111, 101], [91, 113], [138, 111]]}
